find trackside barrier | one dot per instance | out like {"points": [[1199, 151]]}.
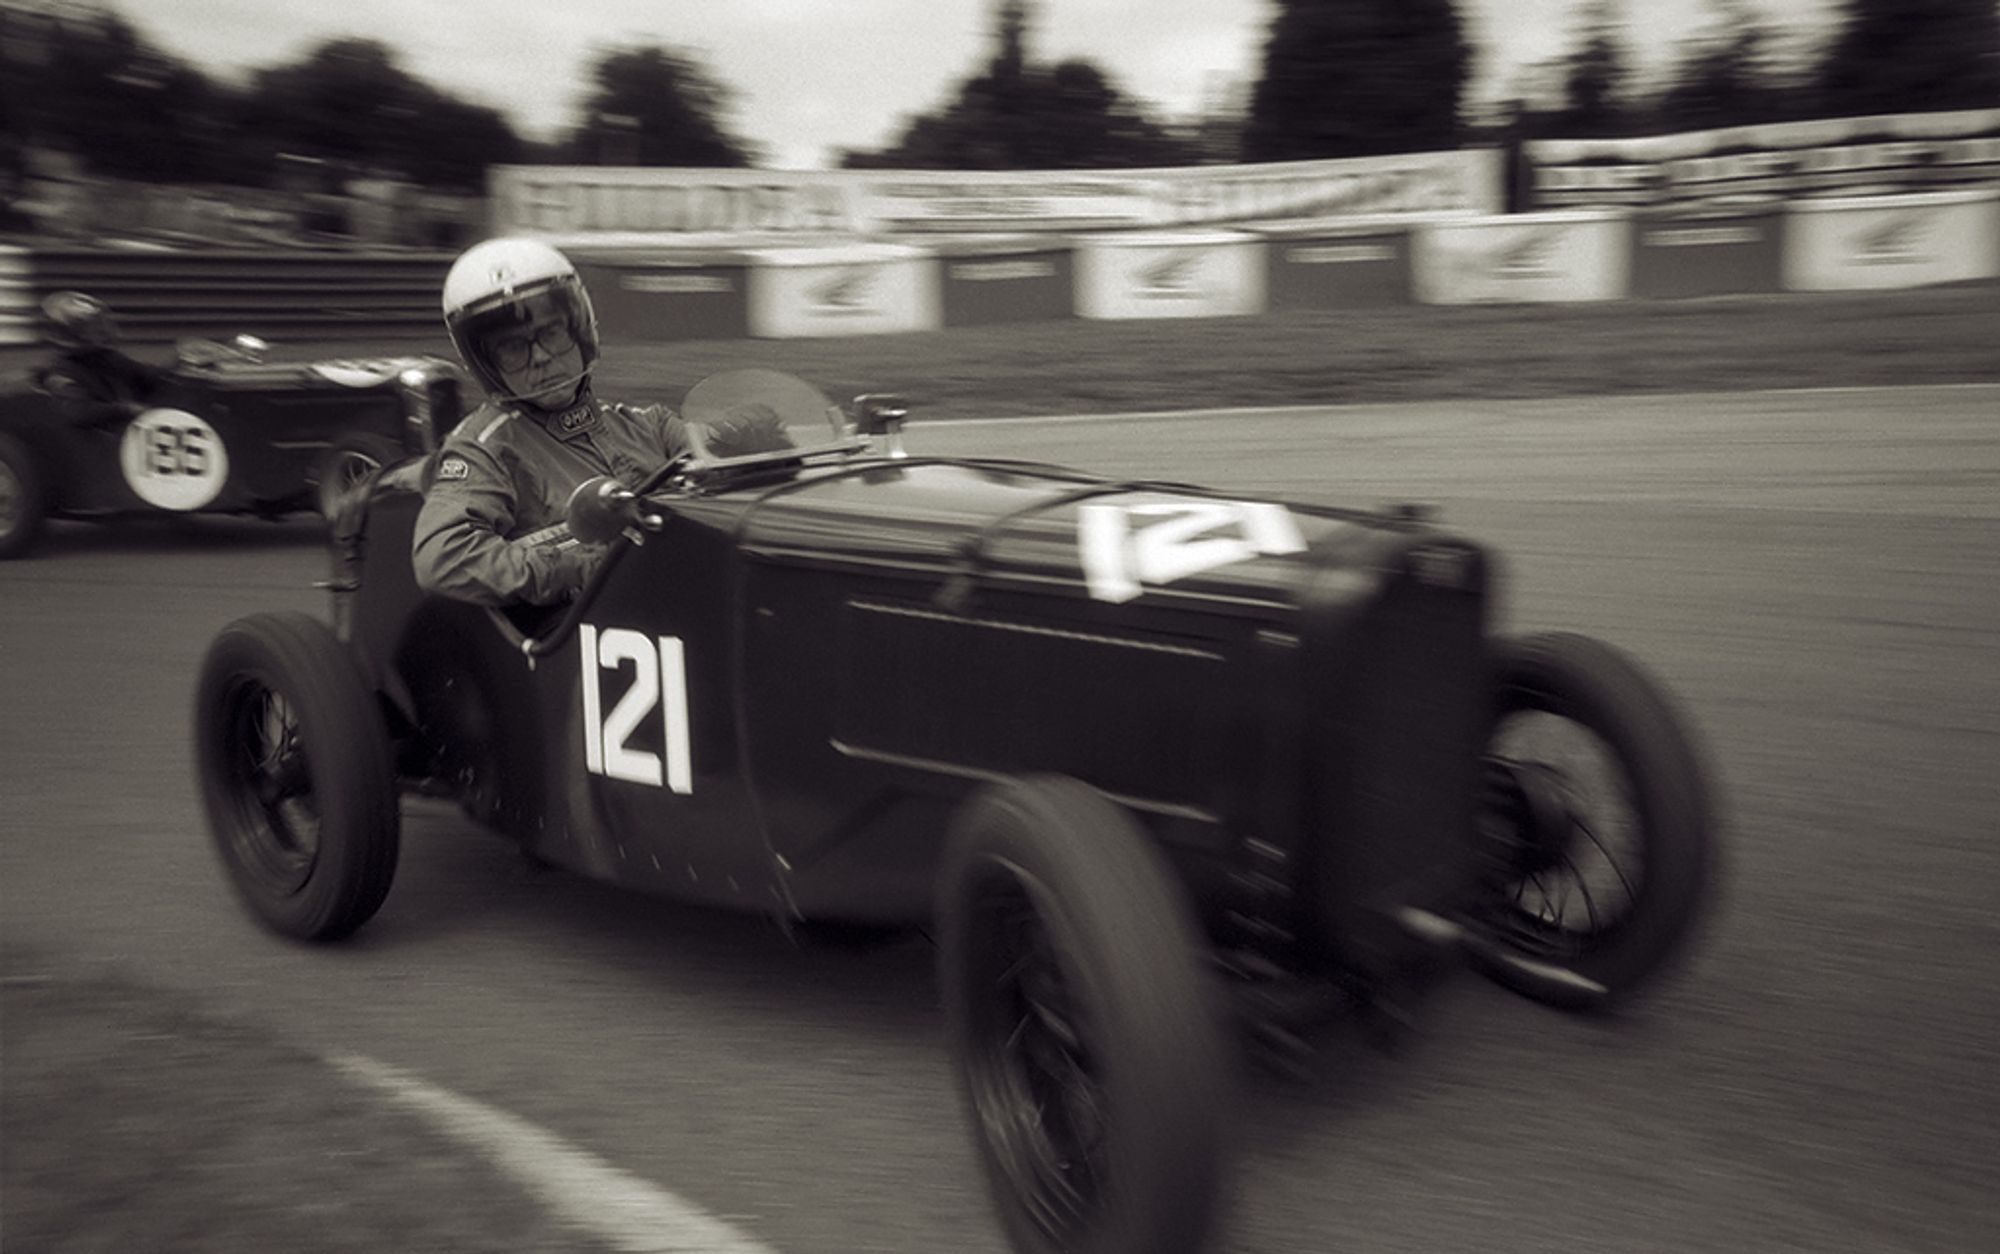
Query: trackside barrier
{"points": [[1892, 241], [17, 298], [1352, 263], [1005, 279], [660, 296], [1713, 253], [1579, 255], [856, 289], [160, 295], [1182, 274]]}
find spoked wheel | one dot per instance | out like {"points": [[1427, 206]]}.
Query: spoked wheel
{"points": [[1596, 823], [22, 505], [295, 773], [1088, 1039], [349, 468]]}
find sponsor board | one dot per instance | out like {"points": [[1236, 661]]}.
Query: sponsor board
{"points": [[1892, 241], [576, 204], [863, 290], [1205, 275], [1529, 258], [1028, 282], [1895, 152], [1711, 255]]}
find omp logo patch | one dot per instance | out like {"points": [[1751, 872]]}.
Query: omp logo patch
{"points": [[453, 468], [1170, 275], [582, 418], [1899, 240], [847, 291]]}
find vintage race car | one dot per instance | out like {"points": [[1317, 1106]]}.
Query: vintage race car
{"points": [[222, 432], [1169, 776]]}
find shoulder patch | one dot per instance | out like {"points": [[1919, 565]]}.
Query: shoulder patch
{"points": [[581, 418], [453, 468]]}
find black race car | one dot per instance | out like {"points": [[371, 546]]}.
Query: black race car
{"points": [[1169, 775], [221, 431]]}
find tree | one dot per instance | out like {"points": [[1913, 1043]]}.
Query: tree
{"points": [[1725, 78], [654, 107], [1345, 78], [1904, 56], [1594, 75], [1018, 115]]}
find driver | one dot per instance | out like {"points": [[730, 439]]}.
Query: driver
{"points": [[490, 530], [88, 363]]}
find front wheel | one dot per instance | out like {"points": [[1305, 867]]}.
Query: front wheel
{"points": [[1087, 1033], [295, 771], [23, 498], [349, 467], [1597, 824]]}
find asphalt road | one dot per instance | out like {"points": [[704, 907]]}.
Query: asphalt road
{"points": [[1816, 575]]}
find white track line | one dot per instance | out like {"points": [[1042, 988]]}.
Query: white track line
{"points": [[613, 1206], [1154, 415]]}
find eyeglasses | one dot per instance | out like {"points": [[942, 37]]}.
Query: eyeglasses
{"points": [[512, 352]]}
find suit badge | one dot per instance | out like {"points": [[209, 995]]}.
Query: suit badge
{"points": [[581, 418], [453, 468]]}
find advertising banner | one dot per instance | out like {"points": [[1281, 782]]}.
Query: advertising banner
{"points": [[1192, 274], [858, 289], [1707, 254], [1019, 280], [1892, 241], [639, 206], [1881, 154], [1573, 256], [1346, 265], [674, 296]]}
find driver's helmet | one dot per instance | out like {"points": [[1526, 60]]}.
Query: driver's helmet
{"points": [[76, 320], [502, 284]]}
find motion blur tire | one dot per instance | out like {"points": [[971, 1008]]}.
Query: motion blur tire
{"points": [[349, 467], [295, 771], [1606, 693], [1086, 1027], [23, 498]]}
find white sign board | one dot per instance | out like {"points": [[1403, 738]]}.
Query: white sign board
{"points": [[1208, 274], [876, 289], [1575, 256], [1892, 241]]}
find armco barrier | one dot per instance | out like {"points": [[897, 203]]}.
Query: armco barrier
{"points": [[297, 295], [17, 298], [1892, 241]]}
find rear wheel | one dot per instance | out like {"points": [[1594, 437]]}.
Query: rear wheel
{"points": [[1597, 823], [294, 765], [23, 499], [1087, 1031]]}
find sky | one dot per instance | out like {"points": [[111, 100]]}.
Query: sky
{"points": [[813, 77]]}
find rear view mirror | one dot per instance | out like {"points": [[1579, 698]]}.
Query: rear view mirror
{"points": [[882, 414]]}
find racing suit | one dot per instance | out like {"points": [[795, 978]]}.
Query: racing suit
{"points": [[490, 527]]}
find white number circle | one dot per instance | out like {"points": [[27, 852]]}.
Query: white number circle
{"points": [[173, 459]]}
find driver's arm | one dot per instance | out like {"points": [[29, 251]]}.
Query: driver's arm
{"points": [[461, 548]]}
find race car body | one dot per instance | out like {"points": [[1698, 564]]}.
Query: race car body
{"points": [[220, 432], [1152, 763]]}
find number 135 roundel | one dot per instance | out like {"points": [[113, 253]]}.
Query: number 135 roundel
{"points": [[1166, 775]]}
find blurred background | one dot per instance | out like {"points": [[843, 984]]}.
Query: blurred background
{"points": [[209, 121]]}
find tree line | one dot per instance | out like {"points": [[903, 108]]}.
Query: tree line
{"points": [[1336, 78]]}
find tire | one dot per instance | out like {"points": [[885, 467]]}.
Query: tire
{"points": [[1068, 946], [349, 467], [24, 498], [294, 765], [1541, 835]]}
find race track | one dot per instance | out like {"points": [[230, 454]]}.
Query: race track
{"points": [[1816, 574]]}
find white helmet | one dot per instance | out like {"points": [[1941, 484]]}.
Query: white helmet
{"points": [[504, 283]]}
